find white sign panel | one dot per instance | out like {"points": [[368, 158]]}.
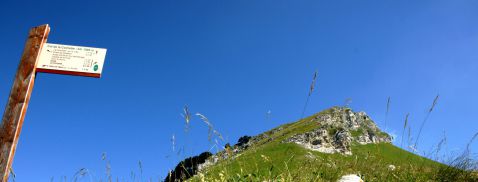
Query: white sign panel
{"points": [[71, 60]]}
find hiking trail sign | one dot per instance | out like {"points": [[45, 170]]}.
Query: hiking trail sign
{"points": [[71, 60], [39, 56]]}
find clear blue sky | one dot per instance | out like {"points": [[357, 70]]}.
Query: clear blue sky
{"points": [[233, 61]]}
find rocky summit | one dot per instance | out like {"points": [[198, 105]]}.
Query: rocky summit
{"points": [[338, 129]]}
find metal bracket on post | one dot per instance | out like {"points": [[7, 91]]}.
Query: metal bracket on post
{"points": [[17, 105]]}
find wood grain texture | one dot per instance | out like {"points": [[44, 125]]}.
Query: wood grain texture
{"points": [[17, 104]]}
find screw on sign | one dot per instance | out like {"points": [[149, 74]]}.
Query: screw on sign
{"points": [[40, 56]]}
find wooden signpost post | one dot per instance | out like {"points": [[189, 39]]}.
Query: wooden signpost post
{"points": [[39, 56]]}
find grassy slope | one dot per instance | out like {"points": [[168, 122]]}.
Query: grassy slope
{"points": [[290, 162]]}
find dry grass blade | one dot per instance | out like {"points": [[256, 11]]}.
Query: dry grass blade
{"points": [[187, 117], [311, 89], [181, 149], [404, 127], [312, 85], [103, 156], [108, 166], [80, 174], [471, 141], [210, 148], [140, 165], [435, 101], [386, 113], [209, 125], [173, 142], [440, 145], [204, 119], [211, 131], [132, 176], [218, 135]]}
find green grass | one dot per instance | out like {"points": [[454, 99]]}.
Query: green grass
{"points": [[356, 133], [291, 162]]}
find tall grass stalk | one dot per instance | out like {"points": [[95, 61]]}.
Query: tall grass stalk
{"points": [[208, 124], [440, 146], [311, 89], [386, 113], [107, 167], [435, 101], [404, 127], [173, 142], [211, 131], [140, 165], [467, 150], [82, 173], [410, 140], [461, 168], [187, 117]]}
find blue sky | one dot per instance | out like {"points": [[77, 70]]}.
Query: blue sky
{"points": [[233, 61]]}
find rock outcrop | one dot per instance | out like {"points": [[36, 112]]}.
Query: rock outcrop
{"points": [[338, 129]]}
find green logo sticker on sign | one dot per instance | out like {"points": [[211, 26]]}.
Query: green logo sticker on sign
{"points": [[95, 68]]}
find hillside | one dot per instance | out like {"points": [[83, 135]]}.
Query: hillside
{"points": [[322, 147]]}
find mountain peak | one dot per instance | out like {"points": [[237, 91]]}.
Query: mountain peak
{"points": [[337, 129]]}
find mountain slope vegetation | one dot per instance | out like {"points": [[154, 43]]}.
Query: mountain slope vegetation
{"points": [[322, 147]]}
